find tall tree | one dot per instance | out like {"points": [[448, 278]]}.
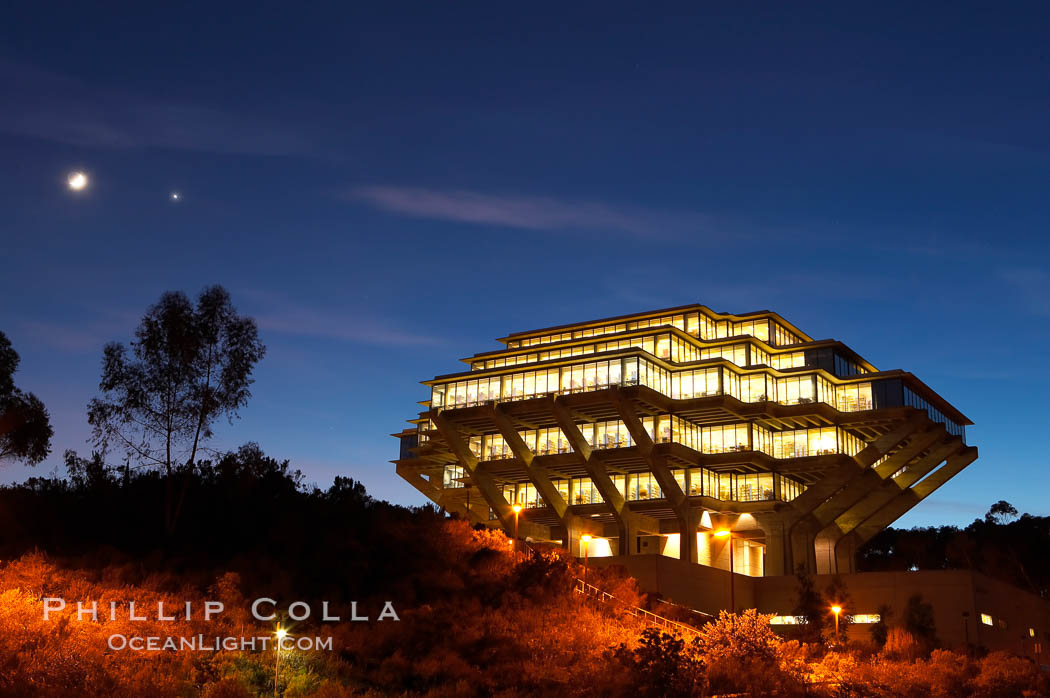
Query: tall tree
{"points": [[187, 367], [25, 425], [1000, 512]]}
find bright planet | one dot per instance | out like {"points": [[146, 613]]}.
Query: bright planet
{"points": [[77, 181]]}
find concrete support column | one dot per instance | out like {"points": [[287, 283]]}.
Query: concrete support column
{"points": [[801, 541], [846, 554], [484, 481], [687, 526], [688, 518], [777, 554], [537, 474], [627, 523]]}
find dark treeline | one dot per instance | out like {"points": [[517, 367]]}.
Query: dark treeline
{"points": [[1002, 545], [243, 512]]}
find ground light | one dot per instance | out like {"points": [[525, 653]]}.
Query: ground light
{"points": [[280, 633], [726, 533]]}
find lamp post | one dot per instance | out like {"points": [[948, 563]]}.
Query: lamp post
{"points": [[517, 511], [836, 609], [726, 533], [586, 540], [280, 633]]}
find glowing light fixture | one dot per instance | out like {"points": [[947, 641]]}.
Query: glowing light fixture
{"points": [[585, 541], [722, 533]]}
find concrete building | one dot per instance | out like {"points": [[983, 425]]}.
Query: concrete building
{"points": [[969, 608], [732, 441]]}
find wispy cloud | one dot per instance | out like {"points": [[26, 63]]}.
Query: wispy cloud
{"points": [[64, 338], [531, 212], [88, 331], [281, 315], [1032, 285], [53, 107]]}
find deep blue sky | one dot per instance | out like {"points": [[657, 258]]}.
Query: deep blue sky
{"points": [[387, 188]]}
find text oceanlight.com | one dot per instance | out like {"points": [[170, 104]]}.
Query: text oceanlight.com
{"points": [[200, 643]]}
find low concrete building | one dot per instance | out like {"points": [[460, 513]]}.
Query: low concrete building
{"points": [[969, 608]]}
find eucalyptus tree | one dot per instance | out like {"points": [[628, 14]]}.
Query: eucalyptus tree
{"points": [[25, 425], [160, 398]]}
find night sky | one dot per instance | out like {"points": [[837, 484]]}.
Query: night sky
{"points": [[387, 188]]}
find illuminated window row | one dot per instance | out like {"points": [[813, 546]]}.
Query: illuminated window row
{"points": [[696, 324], [681, 384], [665, 346], [695, 482], [856, 619], [793, 359], [797, 443]]}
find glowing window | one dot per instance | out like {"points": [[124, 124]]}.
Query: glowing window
{"points": [[986, 619]]}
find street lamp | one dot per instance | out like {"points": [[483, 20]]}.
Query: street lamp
{"points": [[280, 633], [836, 609], [586, 540], [517, 511], [726, 533]]}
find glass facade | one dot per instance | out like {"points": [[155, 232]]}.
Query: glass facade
{"points": [[668, 346], [452, 476], [698, 324], [726, 438], [685, 383], [636, 487], [912, 399]]}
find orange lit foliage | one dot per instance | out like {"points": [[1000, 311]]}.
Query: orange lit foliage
{"points": [[490, 623], [744, 654], [480, 623]]}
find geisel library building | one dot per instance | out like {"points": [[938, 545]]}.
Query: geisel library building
{"points": [[686, 442]]}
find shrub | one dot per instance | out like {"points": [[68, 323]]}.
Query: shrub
{"points": [[1001, 675]]}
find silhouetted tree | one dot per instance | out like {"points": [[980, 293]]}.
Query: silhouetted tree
{"points": [[919, 621], [810, 610], [1012, 551], [880, 630], [187, 367], [89, 474], [25, 425], [1000, 512]]}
